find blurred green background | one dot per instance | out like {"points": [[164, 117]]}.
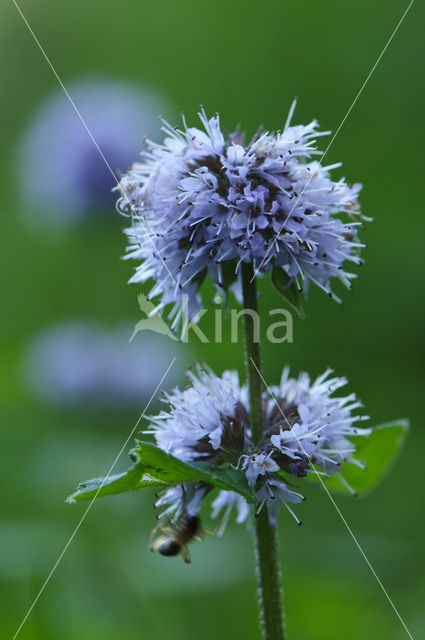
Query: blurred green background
{"points": [[247, 60]]}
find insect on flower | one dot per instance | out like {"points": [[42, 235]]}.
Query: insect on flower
{"points": [[175, 536]]}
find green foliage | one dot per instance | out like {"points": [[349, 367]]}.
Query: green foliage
{"points": [[378, 452], [130, 480], [154, 468], [289, 291]]}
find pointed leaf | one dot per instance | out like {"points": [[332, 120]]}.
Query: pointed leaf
{"points": [[130, 480], [165, 468], [154, 468], [287, 289], [378, 451]]}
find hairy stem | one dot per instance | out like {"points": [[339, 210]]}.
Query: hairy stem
{"points": [[266, 547]]}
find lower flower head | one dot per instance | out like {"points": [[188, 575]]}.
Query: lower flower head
{"points": [[306, 430]]}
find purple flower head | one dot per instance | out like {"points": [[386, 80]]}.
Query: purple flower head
{"points": [[306, 430], [202, 202], [63, 176], [82, 363]]}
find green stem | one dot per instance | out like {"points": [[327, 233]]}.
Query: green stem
{"points": [[266, 547]]}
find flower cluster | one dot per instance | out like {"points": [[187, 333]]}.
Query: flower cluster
{"points": [[205, 202], [306, 430]]}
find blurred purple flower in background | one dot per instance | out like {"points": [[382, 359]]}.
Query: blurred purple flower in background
{"points": [[82, 362], [62, 174]]}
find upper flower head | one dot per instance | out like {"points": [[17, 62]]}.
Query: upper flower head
{"points": [[204, 202], [306, 430]]}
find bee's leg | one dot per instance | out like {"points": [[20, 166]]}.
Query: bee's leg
{"points": [[155, 530], [153, 533], [185, 553], [154, 545], [211, 532]]}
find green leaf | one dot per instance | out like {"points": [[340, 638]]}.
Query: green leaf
{"points": [[290, 292], [378, 451], [154, 468], [130, 480], [165, 468]]}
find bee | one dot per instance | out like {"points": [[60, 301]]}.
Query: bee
{"points": [[175, 536]]}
